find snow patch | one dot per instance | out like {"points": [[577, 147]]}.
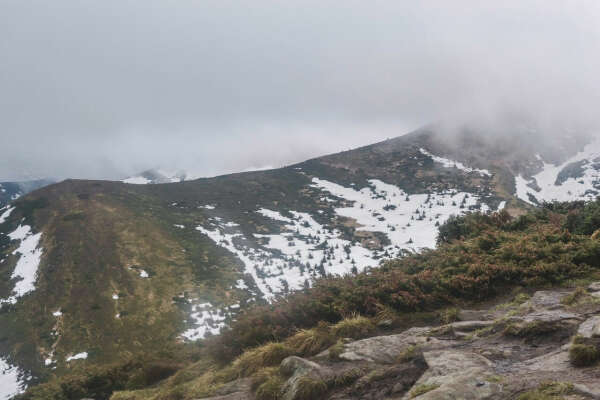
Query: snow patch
{"points": [[455, 164], [137, 180], [11, 383], [207, 319], [27, 265], [305, 249], [584, 187], [78, 356], [6, 214]]}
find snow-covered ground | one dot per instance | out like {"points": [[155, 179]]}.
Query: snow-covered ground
{"points": [[30, 254], [78, 356], [11, 383], [137, 180], [160, 176], [207, 319], [454, 164], [5, 214], [409, 221], [305, 249], [584, 187]]}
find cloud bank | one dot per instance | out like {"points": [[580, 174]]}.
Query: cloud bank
{"points": [[94, 89]]}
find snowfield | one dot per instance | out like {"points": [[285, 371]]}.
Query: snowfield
{"points": [[10, 381], [584, 186], [305, 249], [454, 164], [207, 319], [78, 356], [6, 214], [30, 255]]}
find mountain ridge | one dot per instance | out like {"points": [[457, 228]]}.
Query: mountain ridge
{"points": [[152, 265]]}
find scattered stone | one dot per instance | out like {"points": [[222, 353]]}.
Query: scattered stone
{"points": [[455, 374], [470, 315], [590, 327], [594, 287], [386, 349], [547, 299], [469, 326], [386, 323], [298, 368]]}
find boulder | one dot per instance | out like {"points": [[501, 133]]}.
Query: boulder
{"points": [[454, 374], [594, 287], [546, 299], [590, 327], [298, 368], [387, 349], [469, 326]]}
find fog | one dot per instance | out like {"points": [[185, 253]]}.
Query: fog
{"points": [[105, 89]]}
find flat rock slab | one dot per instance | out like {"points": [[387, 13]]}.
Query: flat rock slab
{"points": [[468, 326], [232, 396], [590, 327], [386, 349], [556, 361], [455, 375], [546, 299], [547, 316], [594, 287]]}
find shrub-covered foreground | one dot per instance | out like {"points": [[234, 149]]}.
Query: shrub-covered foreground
{"points": [[478, 257]]}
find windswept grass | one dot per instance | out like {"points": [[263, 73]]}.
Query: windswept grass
{"points": [[355, 327]]}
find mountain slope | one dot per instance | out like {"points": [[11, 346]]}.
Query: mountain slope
{"points": [[10, 191], [486, 264], [105, 270]]}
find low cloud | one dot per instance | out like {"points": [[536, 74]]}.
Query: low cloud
{"points": [[107, 89]]}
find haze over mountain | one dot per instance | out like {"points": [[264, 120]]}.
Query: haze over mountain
{"points": [[142, 266], [192, 193], [107, 90]]}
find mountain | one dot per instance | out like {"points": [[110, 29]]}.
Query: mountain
{"points": [[503, 308], [154, 176], [10, 191], [95, 272]]}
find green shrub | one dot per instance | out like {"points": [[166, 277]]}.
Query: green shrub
{"points": [[574, 297], [548, 391], [267, 384], [355, 327], [267, 355], [449, 315], [308, 342], [422, 389], [583, 355], [310, 388]]}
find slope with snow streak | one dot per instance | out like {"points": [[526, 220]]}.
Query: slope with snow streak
{"points": [[409, 221], [30, 255], [11, 383], [305, 248], [584, 186], [454, 164]]}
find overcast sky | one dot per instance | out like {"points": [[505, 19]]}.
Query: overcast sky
{"points": [[104, 89]]}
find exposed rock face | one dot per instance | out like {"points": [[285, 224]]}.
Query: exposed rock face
{"points": [[387, 349], [472, 359], [298, 368], [455, 375]]}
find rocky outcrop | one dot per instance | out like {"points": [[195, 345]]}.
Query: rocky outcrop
{"points": [[455, 374], [497, 354]]}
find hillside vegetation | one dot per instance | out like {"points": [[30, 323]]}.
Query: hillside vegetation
{"points": [[479, 258]]}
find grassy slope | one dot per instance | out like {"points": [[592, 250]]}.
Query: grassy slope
{"points": [[481, 257], [93, 231]]}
